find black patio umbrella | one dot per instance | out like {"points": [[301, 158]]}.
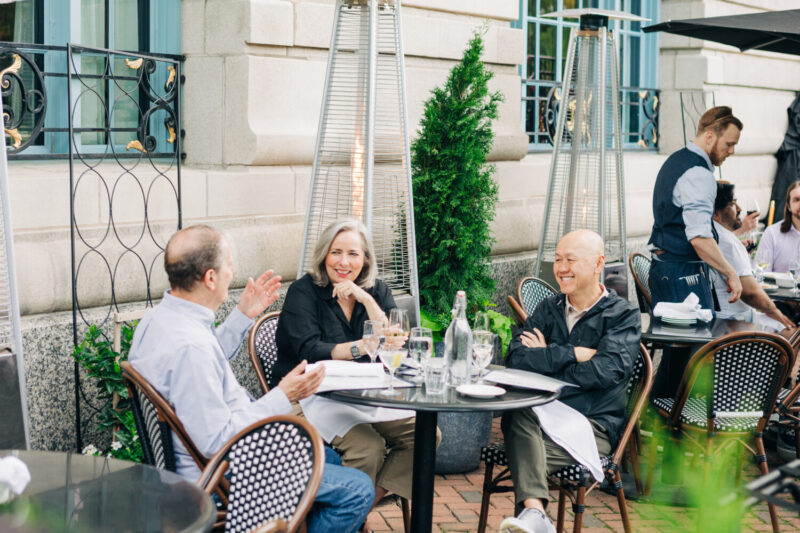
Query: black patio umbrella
{"points": [[773, 31]]}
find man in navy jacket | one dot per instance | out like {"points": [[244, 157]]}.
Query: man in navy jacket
{"points": [[587, 336]]}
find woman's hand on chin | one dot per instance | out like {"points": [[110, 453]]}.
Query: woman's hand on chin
{"points": [[346, 289]]}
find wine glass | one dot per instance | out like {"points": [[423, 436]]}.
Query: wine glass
{"points": [[482, 322], [482, 350], [420, 346], [396, 333], [750, 206], [391, 359], [373, 329], [794, 270]]}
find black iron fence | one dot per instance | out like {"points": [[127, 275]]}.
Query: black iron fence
{"points": [[131, 106], [640, 107]]}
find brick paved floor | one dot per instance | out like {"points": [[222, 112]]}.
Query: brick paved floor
{"points": [[457, 504]]}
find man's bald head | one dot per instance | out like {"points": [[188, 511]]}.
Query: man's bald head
{"points": [[579, 262], [584, 240], [190, 253]]}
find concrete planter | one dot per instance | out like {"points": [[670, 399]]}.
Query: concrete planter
{"points": [[463, 436]]}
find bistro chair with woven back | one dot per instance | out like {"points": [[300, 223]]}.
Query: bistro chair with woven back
{"points": [[156, 420], [281, 457], [640, 268], [264, 355], [530, 293], [574, 482], [726, 396]]}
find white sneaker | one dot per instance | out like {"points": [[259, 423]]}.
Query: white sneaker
{"points": [[529, 521]]}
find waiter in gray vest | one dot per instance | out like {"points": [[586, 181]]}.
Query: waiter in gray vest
{"points": [[683, 243]]}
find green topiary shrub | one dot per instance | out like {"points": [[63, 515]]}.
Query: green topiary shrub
{"points": [[454, 192]]}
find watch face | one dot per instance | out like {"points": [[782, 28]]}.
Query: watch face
{"points": [[354, 351]]}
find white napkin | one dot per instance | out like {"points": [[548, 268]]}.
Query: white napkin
{"points": [[572, 431], [334, 419], [14, 477], [689, 308], [349, 369]]}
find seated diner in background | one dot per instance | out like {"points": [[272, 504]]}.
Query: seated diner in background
{"points": [[779, 247], [587, 336], [180, 352], [323, 318], [726, 222]]}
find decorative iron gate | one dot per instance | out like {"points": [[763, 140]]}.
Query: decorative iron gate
{"points": [[125, 188]]}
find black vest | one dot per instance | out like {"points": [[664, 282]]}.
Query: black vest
{"points": [[669, 231]]}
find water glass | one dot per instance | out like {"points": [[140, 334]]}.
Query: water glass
{"points": [[482, 350], [482, 322], [420, 348], [794, 270], [373, 329], [435, 373]]}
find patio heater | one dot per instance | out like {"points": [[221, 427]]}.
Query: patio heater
{"points": [[362, 163], [13, 403], [586, 187]]}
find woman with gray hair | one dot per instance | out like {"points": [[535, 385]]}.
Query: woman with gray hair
{"points": [[323, 318]]}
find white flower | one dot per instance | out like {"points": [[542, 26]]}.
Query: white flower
{"points": [[116, 445], [90, 449]]}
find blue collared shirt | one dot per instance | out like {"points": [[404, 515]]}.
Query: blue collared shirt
{"points": [[695, 191], [178, 350]]}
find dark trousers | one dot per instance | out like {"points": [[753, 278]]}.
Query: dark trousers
{"points": [[672, 281], [532, 455]]}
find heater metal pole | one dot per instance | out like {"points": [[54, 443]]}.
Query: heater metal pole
{"points": [[323, 116], [372, 73], [603, 105]]}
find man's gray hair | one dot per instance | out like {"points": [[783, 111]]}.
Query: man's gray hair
{"points": [[366, 278]]}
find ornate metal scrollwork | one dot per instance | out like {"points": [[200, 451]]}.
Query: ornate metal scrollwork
{"points": [[23, 93]]}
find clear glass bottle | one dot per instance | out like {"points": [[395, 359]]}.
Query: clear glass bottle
{"points": [[458, 343]]}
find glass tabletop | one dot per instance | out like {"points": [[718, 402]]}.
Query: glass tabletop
{"points": [[81, 493], [655, 330], [416, 398]]}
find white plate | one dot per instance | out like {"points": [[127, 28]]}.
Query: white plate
{"points": [[476, 390], [679, 321]]}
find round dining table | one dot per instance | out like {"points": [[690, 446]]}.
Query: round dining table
{"points": [[427, 406], [71, 492]]}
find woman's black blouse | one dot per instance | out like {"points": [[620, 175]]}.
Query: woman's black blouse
{"points": [[312, 323]]}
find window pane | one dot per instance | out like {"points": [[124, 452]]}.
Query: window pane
{"points": [[547, 52], [571, 4], [547, 6], [531, 55], [16, 22], [125, 95], [126, 25], [93, 23]]}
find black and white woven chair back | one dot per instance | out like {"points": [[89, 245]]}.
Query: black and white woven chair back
{"points": [[532, 291], [636, 382], [746, 376], [265, 347], [156, 436], [270, 470], [640, 264]]}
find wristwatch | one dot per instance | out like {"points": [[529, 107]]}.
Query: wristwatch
{"points": [[354, 351]]}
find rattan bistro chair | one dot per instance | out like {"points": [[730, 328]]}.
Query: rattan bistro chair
{"points": [[747, 370], [264, 355], [575, 481], [273, 526], [155, 421], [531, 291], [275, 469], [640, 268]]}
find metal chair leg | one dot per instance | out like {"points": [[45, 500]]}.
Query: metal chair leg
{"points": [[487, 493], [406, 514]]}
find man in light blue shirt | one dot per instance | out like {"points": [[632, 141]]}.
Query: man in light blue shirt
{"points": [[179, 351]]}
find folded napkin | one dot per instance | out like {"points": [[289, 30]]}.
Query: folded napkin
{"points": [[349, 369], [689, 308], [333, 419], [572, 431], [14, 477]]}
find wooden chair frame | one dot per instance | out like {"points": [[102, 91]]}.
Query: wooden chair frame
{"points": [[255, 360], [166, 414], [704, 438], [216, 467], [577, 491]]}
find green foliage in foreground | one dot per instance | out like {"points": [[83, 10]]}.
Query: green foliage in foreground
{"points": [[96, 354]]}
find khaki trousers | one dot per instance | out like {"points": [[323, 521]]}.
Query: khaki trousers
{"points": [[532, 455]]}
